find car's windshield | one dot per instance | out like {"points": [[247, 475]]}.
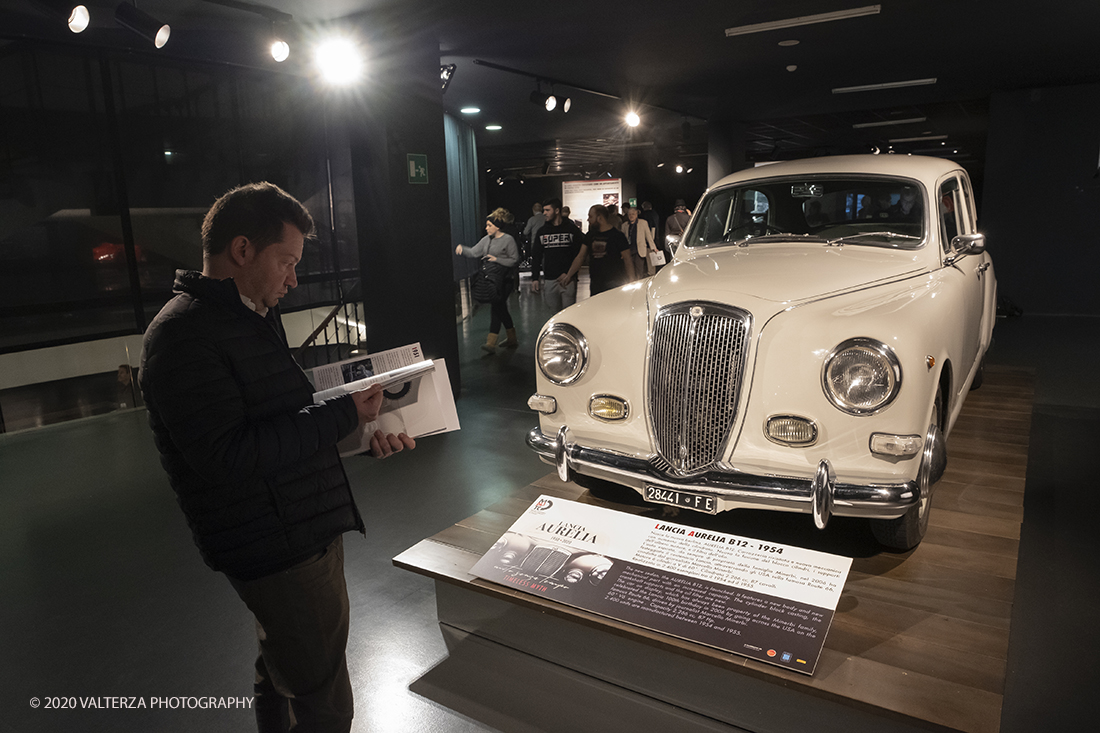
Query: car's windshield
{"points": [[863, 210]]}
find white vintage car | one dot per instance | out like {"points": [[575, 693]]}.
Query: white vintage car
{"points": [[807, 350]]}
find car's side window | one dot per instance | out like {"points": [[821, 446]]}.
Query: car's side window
{"points": [[970, 222], [949, 205]]}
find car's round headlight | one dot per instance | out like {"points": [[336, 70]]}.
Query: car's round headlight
{"points": [[562, 353], [861, 376]]}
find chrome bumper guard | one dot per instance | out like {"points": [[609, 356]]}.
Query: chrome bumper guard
{"points": [[820, 496]]}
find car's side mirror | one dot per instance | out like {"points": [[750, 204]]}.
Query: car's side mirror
{"points": [[966, 244]]}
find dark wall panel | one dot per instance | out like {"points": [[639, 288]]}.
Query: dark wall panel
{"points": [[1041, 206]]}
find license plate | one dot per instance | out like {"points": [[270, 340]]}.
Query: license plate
{"points": [[685, 499]]}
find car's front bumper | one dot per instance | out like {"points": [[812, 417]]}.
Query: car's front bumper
{"points": [[822, 496]]}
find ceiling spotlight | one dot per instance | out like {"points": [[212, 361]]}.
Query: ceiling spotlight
{"points": [[661, 164], [633, 119], [446, 73], [566, 104], [280, 50], [689, 170], [140, 22], [76, 16], [792, 67], [493, 128], [549, 101], [787, 44], [470, 110], [679, 169], [339, 61]]}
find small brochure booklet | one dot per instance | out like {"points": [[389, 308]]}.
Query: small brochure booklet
{"points": [[417, 398]]}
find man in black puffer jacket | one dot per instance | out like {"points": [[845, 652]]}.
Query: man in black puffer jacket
{"points": [[252, 460]]}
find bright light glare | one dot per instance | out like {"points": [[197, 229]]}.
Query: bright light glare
{"points": [[679, 169], [339, 61], [633, 119], [470, 110], [280, 51], [551, 103], [79, 19]]}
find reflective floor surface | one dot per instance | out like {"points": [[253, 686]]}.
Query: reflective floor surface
{"points": [[105, 596]]}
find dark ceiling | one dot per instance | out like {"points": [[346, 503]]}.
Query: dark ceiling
{"points": [[674, 64]]}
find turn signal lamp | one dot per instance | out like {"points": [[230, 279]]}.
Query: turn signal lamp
{"points": [[607, 407], [542, 403], [896, 445]]}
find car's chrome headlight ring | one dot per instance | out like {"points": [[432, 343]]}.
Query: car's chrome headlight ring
{"points": [[562, 354], [861, 376]]}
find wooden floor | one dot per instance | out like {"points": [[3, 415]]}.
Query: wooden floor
{"points": [[920, 637]]}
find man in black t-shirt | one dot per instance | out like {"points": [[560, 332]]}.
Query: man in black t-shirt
{"points": [[610, 264], [553, 254]]}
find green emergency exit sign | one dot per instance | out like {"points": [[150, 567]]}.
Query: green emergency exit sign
{"points": [[418, 167]]}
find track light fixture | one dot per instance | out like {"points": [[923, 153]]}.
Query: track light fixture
{"points": [[446, 73], [549, 101], [76, 16], [129, 17], [280, 50]]}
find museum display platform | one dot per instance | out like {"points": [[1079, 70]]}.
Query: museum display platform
{"points": [[919, 640]]}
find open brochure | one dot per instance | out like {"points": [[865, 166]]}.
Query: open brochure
{"points": [[417, 398]]}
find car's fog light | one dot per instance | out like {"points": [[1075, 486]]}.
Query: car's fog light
{"points": [[896, 445], [606, 407], [791, 430], [542, 403]]}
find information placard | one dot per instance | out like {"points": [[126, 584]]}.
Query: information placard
{"points": [[763, 600]]}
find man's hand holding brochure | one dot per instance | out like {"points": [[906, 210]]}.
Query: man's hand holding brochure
{"points": [[416, 396]]}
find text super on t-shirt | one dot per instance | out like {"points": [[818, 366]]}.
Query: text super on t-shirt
{"points": [[605, 259], [555, 249]]}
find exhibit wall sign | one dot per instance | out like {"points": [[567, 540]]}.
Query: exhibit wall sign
{"points": [[762, 600], [580, 196]]}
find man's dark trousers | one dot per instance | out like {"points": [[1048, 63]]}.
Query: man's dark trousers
{"points": [[302, 623]]}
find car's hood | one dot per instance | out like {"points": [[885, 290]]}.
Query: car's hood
{"points": [[780, 272]]}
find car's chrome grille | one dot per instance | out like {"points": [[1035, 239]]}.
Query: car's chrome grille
{"points": [[544, 560], [696, 363]]}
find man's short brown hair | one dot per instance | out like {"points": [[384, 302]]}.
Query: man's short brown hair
{"points": [[255, 210]]}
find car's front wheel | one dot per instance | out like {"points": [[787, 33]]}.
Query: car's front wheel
{"points": [[906, 531]]}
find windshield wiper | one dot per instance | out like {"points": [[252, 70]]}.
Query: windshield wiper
{"points": [[888, 235]]}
